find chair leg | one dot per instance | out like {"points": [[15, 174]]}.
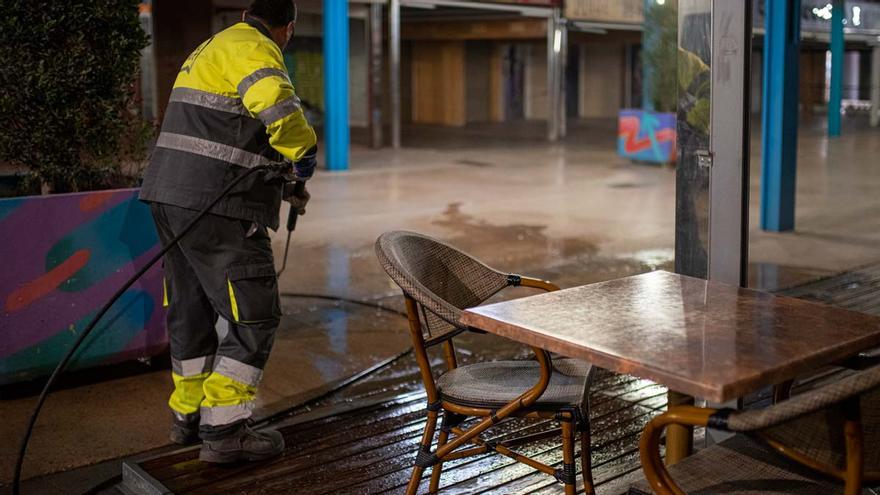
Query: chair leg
{"points": [[450, 421], [442, 437], [424, 450], [586, 460], [568, 470]]}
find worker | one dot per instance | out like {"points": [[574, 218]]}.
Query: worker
{"points": [[232, 108]]}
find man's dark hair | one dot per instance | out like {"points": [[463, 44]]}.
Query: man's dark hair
{"points": [[276, 13]]}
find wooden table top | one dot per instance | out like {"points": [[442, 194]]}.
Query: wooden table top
{"points": [[700, 338]]}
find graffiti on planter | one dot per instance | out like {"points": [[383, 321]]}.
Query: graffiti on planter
{"points": [[646, 136], [61, 259]]}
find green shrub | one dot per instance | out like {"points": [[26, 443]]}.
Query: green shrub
{"points": [[67, 73]]}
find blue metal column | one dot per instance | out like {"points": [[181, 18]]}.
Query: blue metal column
{"points": [[779, 115], [836, 93], [336, 133]]}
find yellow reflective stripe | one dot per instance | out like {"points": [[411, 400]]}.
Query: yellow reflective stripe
{"points": [[253, 78], [188, 393], [210, 149], [292, 136], [224, 415], [208, 99], [232, 302], [266, 93], [164, 293], [192, 366], [280, 110], [226, 400], [238, 371]]}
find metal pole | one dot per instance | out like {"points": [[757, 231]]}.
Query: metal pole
{"points": [[394, 69], [376, 79], [837, 53], [779, 114], [562, 25], [551, 81], [336, 131], [875, 86], [554, 52]]}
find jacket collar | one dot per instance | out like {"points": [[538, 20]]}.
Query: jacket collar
{"points": [[259, 26]]}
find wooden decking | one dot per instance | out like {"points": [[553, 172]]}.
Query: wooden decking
{"points": [[370, 449], [857, 290], [362, 440]]}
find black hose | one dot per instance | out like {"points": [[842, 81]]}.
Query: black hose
{"points": [[344, 299], [16, 480]]}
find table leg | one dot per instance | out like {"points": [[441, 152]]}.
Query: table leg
{"points": [[679, 439]]}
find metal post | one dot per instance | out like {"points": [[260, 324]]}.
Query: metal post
{"points": [[336, 131], [875, 86], [552, 95], [837, 53], [729, 141], [376, 79], [562, 114], [779, 114], [556, 37], [394, 69]]}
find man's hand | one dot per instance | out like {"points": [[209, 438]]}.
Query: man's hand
{"points": [[298, 201]]}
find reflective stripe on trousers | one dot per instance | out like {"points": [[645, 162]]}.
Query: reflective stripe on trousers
{"points": [[223, 396], [189, 376], [229, 392]]}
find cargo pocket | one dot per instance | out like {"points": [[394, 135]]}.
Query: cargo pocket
{"points": [[253, 293]]}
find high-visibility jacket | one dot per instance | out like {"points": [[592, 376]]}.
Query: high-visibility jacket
{"points": [[232, 107]]}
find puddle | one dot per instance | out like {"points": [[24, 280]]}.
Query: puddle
{"points": [[514, 244]]}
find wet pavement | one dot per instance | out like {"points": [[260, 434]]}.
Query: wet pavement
{"points": [[572, 212]]}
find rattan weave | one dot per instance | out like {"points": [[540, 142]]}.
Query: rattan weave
{"points": [[811, 425], [494, 384], [799, 405], [442, 279], [742, 466], [439, 282]]}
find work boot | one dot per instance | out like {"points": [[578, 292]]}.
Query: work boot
{"points": [[185, 429], [246, 444]]}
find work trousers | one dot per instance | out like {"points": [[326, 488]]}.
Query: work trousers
{"points": [[223, 309]]}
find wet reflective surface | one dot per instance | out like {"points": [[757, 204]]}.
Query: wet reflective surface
{"points": [[370, 449], [700, 338], [565, 212]]}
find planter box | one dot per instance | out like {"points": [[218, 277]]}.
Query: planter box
{"points": [[62, 257], [646, 136]]}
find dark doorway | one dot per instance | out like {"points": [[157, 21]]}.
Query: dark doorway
{"points": [[514, 81], [572, 81]]}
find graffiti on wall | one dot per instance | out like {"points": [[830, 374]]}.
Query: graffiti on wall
{"points": [[646, 136], [62, 257]]}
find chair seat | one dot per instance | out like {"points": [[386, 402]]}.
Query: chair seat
{"points": [[741, 466], [496, 383]]}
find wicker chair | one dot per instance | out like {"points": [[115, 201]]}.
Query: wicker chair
{"points": [[439, 281], [806, 445]]}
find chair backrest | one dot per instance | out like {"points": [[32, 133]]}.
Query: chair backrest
{"points": [[811, 423], [440, 278]]}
